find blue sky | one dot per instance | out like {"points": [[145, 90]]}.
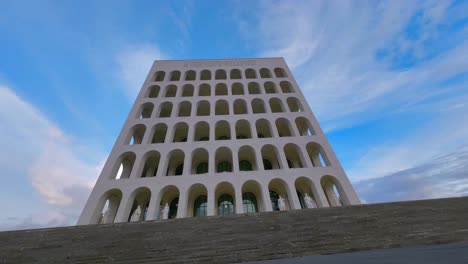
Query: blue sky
{"points": [[387, 81]]}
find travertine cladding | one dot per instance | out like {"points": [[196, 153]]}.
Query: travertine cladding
{"points": [[242, 238], [284, 132]]}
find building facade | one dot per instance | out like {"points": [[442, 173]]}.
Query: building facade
{"points": [[217, 137]]}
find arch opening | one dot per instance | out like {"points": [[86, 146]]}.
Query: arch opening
{"points": [[243, 129], [222, 130], [279, 195], [159, 133], [152, 159], [247, 160], [223, 160], [293, 156], [145, 111], [175, 165], [165, 110], [202, 131], [200, 161], [180, 132], [270, 158]]}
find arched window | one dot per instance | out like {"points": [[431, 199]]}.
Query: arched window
{"points": [[202, 168], [175, 76], [185, 108], [175, 165], [165, 109], [222, 130], [200, 160], [190, 75], [204, 90], [270, 157], [276, 105], [265, 73], [180, 132], [284, 127], [145, 111], [202, 131], [124, 166], [173, 208], [240, 107], [225, 205], [136, 134], [203, 108], [159, 76], [220, 75], [254, 88], [205, 75], [141, 201], [280, 73], [221, 89], [294, 156], [200, 206], [244, 165], [150, 168], [159, 133], [250, 203], [222, 107], [243, 129], [153, 91], [187, 90], [258, 107], [247, 159], [171, 90], [304, 127], [224, 166], [263, 128], [237, 89], [269, 88], [274, 200], [286, 87], [236, 74], [333, 191], [107, 207], [294, 105], [250, 74]]}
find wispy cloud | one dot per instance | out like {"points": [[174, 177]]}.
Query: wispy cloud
{"points": [[352, 58], [444, 176], [134, 62], [39, 152]]}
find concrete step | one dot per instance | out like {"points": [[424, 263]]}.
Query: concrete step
{"points": [[241, 238]]}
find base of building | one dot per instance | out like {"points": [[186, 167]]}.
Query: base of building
{"points": [[294, 235]]}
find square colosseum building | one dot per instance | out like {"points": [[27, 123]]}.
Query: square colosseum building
{"points": [[217, 137]]}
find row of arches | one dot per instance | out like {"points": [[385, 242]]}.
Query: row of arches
{"points": [[221, 107], [242, 129], [198, 201], [219, 74], [220, 89], [221, 160]]}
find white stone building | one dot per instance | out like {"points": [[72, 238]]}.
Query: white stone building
{"points": [[217, 137]]}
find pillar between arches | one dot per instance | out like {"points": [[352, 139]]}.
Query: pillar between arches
{"points": [[124, 209], [182, 207], [238, 201]]}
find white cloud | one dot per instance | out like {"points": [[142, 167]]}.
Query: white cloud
{"points": [[134, 63], [442, 176], [334, 48], [35, 150]]}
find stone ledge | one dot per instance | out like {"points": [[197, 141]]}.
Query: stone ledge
{"points": [[241, 238]]}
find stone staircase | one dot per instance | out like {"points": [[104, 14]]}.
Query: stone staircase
{"points": [[242, 238]]}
